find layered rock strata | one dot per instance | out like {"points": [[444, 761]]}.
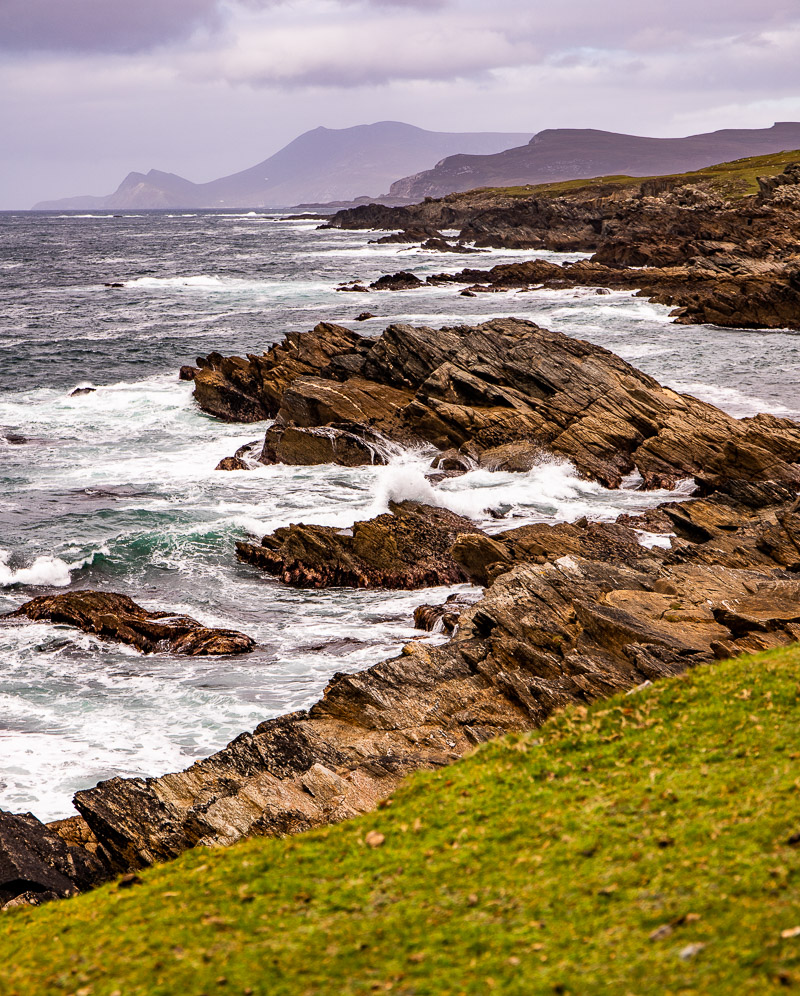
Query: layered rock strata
{"points": [[501, 395], [571, 614]]}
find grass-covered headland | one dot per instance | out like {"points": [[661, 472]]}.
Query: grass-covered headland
{"points": [[648, 844]]}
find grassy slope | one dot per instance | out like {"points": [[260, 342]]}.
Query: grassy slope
{"points": [[541, 864], [732, 180]]}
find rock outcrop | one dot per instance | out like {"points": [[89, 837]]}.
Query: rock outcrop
{"points": [[117, 617], [36, 864], [408, 547], [505, 394], [249, 390], [571, 613]]}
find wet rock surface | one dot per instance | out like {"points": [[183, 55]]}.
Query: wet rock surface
{"points": [[117, 617], [408, 547], [443, 618]]}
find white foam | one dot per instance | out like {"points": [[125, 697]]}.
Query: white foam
{"points": [[215, 284], [45, 570], [661, 541], [732, 400]]}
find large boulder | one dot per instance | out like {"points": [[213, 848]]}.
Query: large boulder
{"points": [[407, 547], [116, 617]]}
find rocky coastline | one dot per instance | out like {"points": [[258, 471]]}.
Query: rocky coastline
{"points": [[569, 613], [681, 241]]}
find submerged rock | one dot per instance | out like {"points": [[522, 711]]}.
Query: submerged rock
{"points": [[407, 547], [117, 617]]}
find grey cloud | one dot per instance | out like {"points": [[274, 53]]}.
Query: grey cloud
{"points": [[470, 42], [100, 25], [125, 26]]}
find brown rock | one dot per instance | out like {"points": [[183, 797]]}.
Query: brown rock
{"points": [[327, 444], [36, 864], [117, 617], [443, 618], [407, 547], [232, 463], [250, 390]]}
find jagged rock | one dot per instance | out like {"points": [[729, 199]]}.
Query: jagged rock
{"points": [[396, 281], [731, 263], [442, 245], [407, 547], [511, 392], [37, 865], [187, 373], [250, 390], [573, 613], [364, 316], [315, 401], [116, 617], [407, 237], [82, 390], [574, 399]]}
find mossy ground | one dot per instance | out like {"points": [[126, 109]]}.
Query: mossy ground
{"points": [[541, 864], [732, 180]]}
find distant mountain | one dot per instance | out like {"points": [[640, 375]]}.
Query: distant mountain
{"points": [[576, 153], [322, 165]]}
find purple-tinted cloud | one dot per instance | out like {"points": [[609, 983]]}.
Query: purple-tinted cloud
{"points": [[100, 25], [125, 27]]}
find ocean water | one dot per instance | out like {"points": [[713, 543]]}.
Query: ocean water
{"points": [[116, 489]]}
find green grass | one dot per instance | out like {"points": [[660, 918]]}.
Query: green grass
{"points": [[540, 864], [732, 180]]}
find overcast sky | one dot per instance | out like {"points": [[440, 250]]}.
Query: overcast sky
{"points": [[95, 88]]}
